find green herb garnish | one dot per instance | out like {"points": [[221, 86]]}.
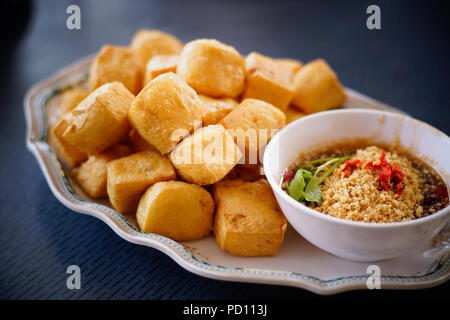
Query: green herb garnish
{"points": [[306, 184], [297, 186]]}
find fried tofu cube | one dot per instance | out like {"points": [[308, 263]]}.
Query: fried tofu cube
{"points": [[129, 177], [139, 143], [177, 210], [91, 175], [214, 110], [71, 155], [248, 221], [119, 64], [293, 114], [317, 88], [165, 111], [206, 156], [71, 98], [268, 80], [149, 43], [100, 120], [158, 65], [244, 172], [292, 66], [212, 68], [252, 124]]}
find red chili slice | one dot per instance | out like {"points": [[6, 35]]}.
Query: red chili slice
{"points": [[385, 176], [441, 191], [370, 165], [397, 178], [387, 173], [397, 174], [349, 166], [383, 158], [377, 164]]}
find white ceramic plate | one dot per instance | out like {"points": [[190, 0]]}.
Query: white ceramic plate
{"points": [[298, 263]]}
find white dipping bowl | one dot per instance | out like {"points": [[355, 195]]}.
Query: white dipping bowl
{"points": [[351, 240]]}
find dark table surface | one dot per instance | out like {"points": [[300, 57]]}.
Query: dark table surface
{"points": [[405, 64]]}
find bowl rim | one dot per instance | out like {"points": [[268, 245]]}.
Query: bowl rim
{"points": [[301, 207]]}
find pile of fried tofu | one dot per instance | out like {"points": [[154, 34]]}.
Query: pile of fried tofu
{"points": [[173, 133]]}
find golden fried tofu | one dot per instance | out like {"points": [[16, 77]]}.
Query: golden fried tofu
{"points": [[177, 210], [158, 65], [245, 172], [292, 114], [71, 155], [212, 68], [214, 110], [248, 221], [317, 88], [268, 80], [252, 124], [71, 98], [139, 143], [91, 174], [100, 120], [165, 111], [149, 43], [206, 156], [292, 65], [129, 177], [115, 63]]}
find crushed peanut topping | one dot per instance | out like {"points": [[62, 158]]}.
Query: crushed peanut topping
{"points": [[376, 191]]}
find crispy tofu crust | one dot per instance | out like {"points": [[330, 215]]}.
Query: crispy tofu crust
{"points": [[100, 120], [119, 64], [292, 114], [149, 43], [176, 209], [212, 68], [91, 174], [317, 88], [139, 143], [70, 154], [268, 80], [207, 156], [165, 111], [129, 177], [158, 65], [248, 221], [71, 98], [214, 110], [252, 124]]}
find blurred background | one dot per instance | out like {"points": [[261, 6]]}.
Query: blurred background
{"points": [[405, 64]]}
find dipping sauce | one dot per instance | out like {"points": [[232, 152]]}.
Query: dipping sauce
{"points": [[366, 183]]}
